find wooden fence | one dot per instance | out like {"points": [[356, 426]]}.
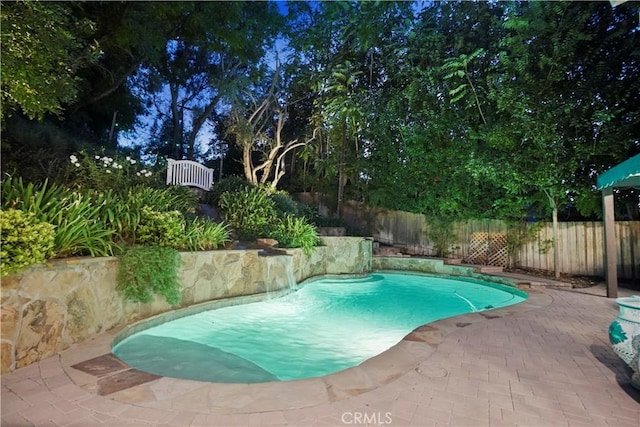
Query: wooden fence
{"points": [[580, 244]]}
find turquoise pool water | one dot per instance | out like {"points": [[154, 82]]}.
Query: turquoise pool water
{"points": [[326, 326]]}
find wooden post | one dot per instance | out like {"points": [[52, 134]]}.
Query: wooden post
{"points": [[611, 259]]}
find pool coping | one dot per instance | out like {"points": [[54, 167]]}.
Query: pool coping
{"points": [[224, 398]]}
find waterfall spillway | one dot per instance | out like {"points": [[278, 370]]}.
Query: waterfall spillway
{"points": [[291, 278], [278, 272]]}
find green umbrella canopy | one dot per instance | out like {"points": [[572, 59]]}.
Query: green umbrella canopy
{"points": [[626, 174]]}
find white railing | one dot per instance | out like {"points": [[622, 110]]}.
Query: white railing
{"points": [[189, 173]]}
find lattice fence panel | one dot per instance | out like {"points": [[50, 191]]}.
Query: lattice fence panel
{"points": [[478, 248], [498, 255]]}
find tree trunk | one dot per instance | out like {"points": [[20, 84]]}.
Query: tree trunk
{"points": [[341, 177], [198, 122], [176, 134], [247, 164]]}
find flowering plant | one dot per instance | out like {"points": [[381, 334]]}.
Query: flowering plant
{"points": [[107, 173]]}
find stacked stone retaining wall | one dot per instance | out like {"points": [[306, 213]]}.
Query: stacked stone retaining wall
{"points": [[48, 308]]}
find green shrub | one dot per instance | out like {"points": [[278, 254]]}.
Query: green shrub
{"points": [[160, 228], [24, 241], [292, 232], [285, 204], [232, 184], [440, 232], [122, 215], [145, 270], [204, 235], [31, 198], [172, 198], [310, 213], [123, 212], [250, 212], [79, 229]]}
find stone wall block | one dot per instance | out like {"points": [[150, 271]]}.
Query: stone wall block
{"points": [[11, 282], [187, 278], [308, 265], [38, 281], [206, 283], [105, 303], [131, 312], [230, 266], [6, 357], [41, 332], [84, 315], [188, 260], [157, 305], [10, 323], [187, 297], [232, 257], [10, 317], [112, 312], [103, 278]]}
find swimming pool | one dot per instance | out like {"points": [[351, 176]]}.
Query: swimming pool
{"points": [[326, 326]]}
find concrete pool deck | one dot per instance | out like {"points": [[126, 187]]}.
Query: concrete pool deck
{"points": [[546, 361]]}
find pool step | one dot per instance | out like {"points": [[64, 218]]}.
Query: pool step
{"points": [[484, 269], [488, 269], [531, 282]]}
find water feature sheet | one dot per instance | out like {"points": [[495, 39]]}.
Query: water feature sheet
{"points": [[325, 326]]}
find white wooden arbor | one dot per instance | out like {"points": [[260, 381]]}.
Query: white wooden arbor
{"points": [[626, 174], [189, 173]]}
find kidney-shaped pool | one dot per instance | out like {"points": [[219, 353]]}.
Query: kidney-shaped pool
{"points": [[325, 326]]}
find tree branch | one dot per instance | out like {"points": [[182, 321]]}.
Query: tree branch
{"points": [[114, 86]]}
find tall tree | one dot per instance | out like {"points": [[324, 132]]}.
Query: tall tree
{"points": [[257, 127], [544, 96], [342, 52], [423, 141], [503, 103], [216, 52]]}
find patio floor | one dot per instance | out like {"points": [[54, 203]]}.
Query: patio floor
{"points": [[545, 362]]}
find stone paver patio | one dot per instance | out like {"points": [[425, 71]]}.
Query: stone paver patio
{"points": [[545, 362]]}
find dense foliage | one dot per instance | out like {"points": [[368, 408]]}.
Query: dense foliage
{"points": [[105, 208], [160, 228], [250, 212], [147, 270], [471, 109], [452, 109], [204, 235], [295, 232], [43, 46], [259, 212], [229, 184], [24, 240], [75, 216]]}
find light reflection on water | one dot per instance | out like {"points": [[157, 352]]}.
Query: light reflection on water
{"points": [[324, 327]]}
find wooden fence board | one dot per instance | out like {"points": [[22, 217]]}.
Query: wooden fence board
{"points": [[580, 244]]}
